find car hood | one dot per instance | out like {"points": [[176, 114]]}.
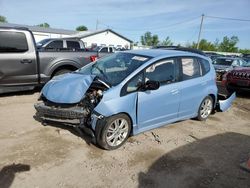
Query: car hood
{"points": [[68, 88], [242, 69]]}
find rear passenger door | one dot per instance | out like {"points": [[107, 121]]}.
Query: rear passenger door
{"points": [[18, 65], [193, 86]]}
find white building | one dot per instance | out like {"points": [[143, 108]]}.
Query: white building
{"points": [[105, 37]]}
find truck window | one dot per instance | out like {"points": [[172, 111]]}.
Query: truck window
{"points": [[105, 49], [110, 49], [12, 42], [55, 44], [73, 45]]}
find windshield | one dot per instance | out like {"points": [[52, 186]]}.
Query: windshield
{"points": [[246, 64], [226, 62], [114, 68]]}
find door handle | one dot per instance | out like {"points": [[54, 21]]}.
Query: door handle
{"points": [[174, 91], [26, 61]]}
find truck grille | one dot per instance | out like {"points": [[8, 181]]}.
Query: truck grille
{"points": [[241, 75]]}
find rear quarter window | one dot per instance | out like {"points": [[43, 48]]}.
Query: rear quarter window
{"points": [[205, 66], [13, 42]]}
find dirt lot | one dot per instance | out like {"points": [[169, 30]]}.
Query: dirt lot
{"points": [[184, 154]]}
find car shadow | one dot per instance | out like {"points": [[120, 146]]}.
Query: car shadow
{"points": [[72, 128], [209, 162], [7, 173]]}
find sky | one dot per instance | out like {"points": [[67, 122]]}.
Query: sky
{"points": [[178, 19]]}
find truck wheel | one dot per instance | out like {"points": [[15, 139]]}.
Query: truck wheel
{"points": [[205, 109], [62, 71], [115, 132]]}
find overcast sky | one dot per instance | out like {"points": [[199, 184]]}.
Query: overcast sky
{"points": [[174, 18]]}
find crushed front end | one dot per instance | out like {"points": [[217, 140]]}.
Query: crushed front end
{"points": [[77, 113]]}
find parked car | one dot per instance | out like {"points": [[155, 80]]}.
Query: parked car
{"points": [[225, 64], [131, 92], [104, 49], [238, 79], [61, 43], [23, 66]]}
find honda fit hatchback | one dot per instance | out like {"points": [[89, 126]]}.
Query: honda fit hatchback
{"points": [[131, 92]]}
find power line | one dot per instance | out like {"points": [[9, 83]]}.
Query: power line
{"points": [[155, 28], [225, 18]]}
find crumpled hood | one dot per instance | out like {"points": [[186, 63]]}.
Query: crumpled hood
{"points": [[68, 88]]}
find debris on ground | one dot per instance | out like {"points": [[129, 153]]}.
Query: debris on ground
{"points": [[156, 137]]}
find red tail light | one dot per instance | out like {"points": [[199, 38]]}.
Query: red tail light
{"points": [[93, 58]]}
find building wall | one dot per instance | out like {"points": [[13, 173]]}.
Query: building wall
{"points": [[40, 36], [106, 38]]}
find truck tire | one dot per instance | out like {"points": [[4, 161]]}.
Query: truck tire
{"points": [[61, 71]]}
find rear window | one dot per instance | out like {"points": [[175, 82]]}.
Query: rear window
{"points": [[11, 42], [58, 44], [73, 44], [226, 62]]}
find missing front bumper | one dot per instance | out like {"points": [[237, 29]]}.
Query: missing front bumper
{"points": [[60, 113]]}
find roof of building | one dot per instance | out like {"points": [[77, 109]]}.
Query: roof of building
{"points": [[84, 34], [40, 29]]}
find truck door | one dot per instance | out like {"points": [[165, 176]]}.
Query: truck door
{"points": [[18, 63]]}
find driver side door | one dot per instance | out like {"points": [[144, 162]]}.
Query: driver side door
{"points": [[156, 107]]}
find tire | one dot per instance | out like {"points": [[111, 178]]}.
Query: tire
{"points": [[112, 136], [62, 71], [206, 108]]}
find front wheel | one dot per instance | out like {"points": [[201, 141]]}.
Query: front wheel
{"points": [[115, 132], [205, 109]]}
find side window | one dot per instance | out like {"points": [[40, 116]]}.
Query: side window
{"points": [[105, 49], [134, 83], [73, 45], [163, 71], [190, 68], [205, 65], [13, 42], [55, 44]]}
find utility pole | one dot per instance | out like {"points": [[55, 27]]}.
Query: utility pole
{"points": [[96, 26], [199, 36]]}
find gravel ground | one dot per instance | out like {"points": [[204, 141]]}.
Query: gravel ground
{"points": [[184, 154]]}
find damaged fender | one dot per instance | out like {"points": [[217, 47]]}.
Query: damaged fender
{"points": [[224, 105]]}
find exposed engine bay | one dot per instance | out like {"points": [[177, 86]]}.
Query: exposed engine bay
{"points": [[82, 110]]}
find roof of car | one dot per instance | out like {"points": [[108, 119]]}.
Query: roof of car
{"points": [[160, 52]]}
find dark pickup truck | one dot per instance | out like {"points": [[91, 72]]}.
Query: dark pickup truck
{"points": [[23, 66]]}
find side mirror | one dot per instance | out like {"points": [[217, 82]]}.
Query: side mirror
{"points": [[151, 85]]}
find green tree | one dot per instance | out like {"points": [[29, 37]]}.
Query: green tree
{"points": [[3, 19], [81, 28], [46, 25], [204, 45], [149, 39], [244, 51], [167, 42], [229, 44]]}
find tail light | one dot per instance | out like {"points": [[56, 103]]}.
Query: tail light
{"points": [[93, 58], [225, 78]]}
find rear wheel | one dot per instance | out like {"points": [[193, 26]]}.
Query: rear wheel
{"points": [[205, 109], [115, 132]]}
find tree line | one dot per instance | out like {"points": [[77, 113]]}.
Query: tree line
{"points": [[3, 19], [228, 44]]}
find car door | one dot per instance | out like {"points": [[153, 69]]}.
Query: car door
{"points": [[159, 106], [18, 65], [193, 86]]}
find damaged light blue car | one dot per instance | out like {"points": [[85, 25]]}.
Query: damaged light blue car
{"points": [[131, 92]]}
